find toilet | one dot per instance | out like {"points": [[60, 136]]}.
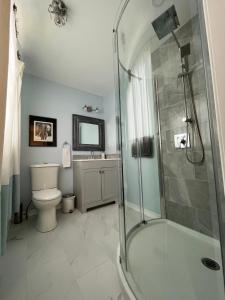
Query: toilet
{"points": [[45, 195]]}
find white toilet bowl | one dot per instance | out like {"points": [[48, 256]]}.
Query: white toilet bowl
{"points": [[45, 195], [45, 202]]}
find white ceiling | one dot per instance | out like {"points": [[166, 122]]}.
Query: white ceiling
{"points": [[136, 31], [78, 55]]}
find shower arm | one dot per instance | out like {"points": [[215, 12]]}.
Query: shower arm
{"points": [[184, 53], [176, 40]]}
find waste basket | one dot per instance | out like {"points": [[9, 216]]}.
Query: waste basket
{"points": [[68, 203]]}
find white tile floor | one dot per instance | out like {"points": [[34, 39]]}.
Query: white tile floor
{"points": [[76, 261]]}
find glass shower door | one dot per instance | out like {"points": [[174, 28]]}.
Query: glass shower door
{"points": [[171, 227], [131, 167]]}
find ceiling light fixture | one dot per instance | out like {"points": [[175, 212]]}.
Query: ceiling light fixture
{"points": [[58, 10]]}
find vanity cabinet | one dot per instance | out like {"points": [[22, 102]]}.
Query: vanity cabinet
{"points": [[91, 186], [95, 182]]}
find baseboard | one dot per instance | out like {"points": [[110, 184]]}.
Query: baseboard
{"points": [[147, 212]]}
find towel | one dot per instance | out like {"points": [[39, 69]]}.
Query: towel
{"points": [[66, 156]]}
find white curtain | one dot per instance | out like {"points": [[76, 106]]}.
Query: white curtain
{"points": [[10, 180], [139, 96]]}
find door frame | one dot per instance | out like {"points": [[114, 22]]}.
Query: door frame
{"points": [[209, 12], [4, 42]]}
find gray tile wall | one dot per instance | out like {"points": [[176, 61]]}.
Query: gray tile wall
{"points": [[189, 189]]}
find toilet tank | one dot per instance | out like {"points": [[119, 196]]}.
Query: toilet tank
{"points": [[44, 176]]}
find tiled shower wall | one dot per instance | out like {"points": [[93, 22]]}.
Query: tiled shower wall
{"points": [[189, 190]]}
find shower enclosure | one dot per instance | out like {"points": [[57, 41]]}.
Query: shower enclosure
{"points": [[171, 221]]}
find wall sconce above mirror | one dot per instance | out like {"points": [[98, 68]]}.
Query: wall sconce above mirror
{"points": [[88, 134], [89, 108]]}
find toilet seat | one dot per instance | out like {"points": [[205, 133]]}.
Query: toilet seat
{"points": [[46, 195]]}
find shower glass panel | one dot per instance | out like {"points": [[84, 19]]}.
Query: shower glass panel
{"points": [[171, 245], [131, 184]]}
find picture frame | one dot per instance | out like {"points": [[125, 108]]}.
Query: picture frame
{"points": [[42, 131]]}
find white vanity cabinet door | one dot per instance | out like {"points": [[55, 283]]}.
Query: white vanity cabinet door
{"points": [[95, 182], [109, 184], [91, 181]]}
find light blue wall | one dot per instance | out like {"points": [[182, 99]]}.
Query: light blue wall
{"points": [[150, 183], [44, 98]]}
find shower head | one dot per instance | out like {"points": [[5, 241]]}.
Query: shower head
{"points": [[166, 23]]}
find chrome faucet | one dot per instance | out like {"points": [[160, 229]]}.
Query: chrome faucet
{"points": [[92, 155]]}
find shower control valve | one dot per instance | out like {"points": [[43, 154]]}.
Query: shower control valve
{"points": [[182, 141], [187, 120]]}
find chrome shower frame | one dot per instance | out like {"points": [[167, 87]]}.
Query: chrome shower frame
{"points": [[190, 121]]}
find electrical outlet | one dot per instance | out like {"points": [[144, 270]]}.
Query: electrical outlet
{"points": [[180, 141]]}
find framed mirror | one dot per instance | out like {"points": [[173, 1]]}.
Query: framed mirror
{"points": [[88, 134]]}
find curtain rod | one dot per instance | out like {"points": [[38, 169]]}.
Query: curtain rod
{"points": [[129, 72], [16, 28]]}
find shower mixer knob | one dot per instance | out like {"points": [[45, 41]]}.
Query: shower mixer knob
{"points": [[183, 142], [188, 120]]}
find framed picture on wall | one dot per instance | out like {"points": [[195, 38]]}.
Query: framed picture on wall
{"points": [[42, 132]]}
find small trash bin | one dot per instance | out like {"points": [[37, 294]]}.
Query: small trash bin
{"points": [[68, 203]]}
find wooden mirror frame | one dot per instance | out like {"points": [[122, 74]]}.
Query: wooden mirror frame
{"points": [[77, 119]]}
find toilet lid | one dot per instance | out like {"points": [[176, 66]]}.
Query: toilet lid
{"points": [[45, 195]]}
